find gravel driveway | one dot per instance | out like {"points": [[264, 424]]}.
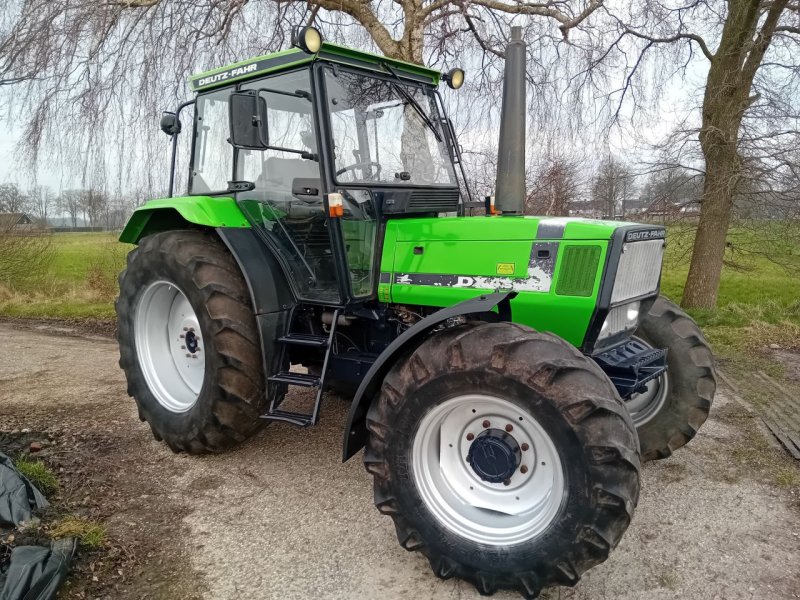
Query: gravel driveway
{"points": [[282, 517]]}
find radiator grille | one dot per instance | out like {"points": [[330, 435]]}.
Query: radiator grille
{"points": [[433, 201], [638, 270], [578, 270]]}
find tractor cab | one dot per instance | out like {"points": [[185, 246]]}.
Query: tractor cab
{"points": [[320, 131]]}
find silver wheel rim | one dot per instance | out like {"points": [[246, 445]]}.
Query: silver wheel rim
{"points": [[169, 346], [490, 513], [647, 404]]}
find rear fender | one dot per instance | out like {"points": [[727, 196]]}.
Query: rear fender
{"points": [[176, 213], [355, 431]]}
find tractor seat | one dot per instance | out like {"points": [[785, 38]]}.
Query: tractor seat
{"points": [[279, 173]]}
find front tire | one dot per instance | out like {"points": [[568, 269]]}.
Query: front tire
{"points": [[188, 342], [675, 405], [540, 401]]}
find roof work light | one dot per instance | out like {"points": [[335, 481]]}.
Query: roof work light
{"points": [[308, 39], [454, 78]]}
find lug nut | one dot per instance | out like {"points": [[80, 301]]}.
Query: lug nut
{"points": [[470, 437], [523, 469], [486, 424], [509, 427], [183, 347], [507, 482], [186, 329], [181, 336], [525, 447], [188, 355]]}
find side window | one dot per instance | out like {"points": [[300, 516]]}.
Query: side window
{"points": [[291, 125], [213, 154]]}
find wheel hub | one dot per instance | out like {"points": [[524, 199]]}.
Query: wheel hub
{"points": [[191, 341], [487, 469], [168, 344], [494, 455]]}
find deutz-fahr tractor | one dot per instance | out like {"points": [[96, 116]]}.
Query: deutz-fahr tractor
{"points": [[507, 373]]}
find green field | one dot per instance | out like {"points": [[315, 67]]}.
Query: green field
{"points": [[759, 301], [79, 281]]}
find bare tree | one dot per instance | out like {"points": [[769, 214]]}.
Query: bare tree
{"points": [[93, 204], [611, 187], [750, 50], [556, 184], [12, 200], [73, 64], [41, 200], [70, 203]]}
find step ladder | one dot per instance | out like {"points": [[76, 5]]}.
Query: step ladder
{"points": [[274, 413]]}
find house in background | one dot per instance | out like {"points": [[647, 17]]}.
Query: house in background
{"points": [[19, 223]]}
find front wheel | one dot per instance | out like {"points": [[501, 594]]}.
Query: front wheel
{"points": [[188, 342], [674, 406], [504, 456]]}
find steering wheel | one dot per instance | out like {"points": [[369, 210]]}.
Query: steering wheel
{"points": [[367, 163]]}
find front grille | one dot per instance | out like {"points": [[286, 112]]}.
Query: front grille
{"points": [[433, 201], [638, 270], [578, 271]]}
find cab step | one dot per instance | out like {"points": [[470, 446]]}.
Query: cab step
{"points": [[293, 418], [305, 339], [300, 379]]}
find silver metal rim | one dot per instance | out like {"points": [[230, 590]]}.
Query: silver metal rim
{"points": [[496, 514], [173, 372], [644, 406]]}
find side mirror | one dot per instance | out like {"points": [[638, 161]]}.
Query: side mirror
{"points": [[248, 121], [170, 124]]}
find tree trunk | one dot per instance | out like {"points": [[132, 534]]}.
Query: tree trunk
{"points": [[727, 97], [702, 283]]}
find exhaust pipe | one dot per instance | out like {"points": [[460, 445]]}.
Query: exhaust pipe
{"points": [[510, 184]]}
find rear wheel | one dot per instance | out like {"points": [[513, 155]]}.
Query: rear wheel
{"points": [[188, 342], [504, 456], [674, 406]]}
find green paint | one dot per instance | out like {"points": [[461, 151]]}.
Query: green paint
{"points": [[335, 51], [474, 246], [169, 213], [277, 61]]}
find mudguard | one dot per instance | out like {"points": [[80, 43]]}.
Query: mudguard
{"points": [[355, 431], [173, 213]]}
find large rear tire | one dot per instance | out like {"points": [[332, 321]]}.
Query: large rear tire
{"points": [[675, 406], [561, 497], [188, 342]]}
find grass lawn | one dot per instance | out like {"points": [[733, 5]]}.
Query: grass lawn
{"points": [[79, 280]]}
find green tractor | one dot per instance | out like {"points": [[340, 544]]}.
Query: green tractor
{"points": [[507, 373]]}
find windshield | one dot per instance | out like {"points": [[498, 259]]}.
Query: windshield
{"points": [[385, 132]]}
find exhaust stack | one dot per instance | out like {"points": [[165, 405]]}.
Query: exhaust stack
{"points": [[510, 183]]}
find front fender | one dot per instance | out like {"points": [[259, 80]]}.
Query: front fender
{"points": [[355, 431], [174, 213]]}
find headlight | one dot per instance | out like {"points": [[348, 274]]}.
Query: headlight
{"points": [[620, 319]]}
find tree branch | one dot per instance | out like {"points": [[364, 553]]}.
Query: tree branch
{"points": [[671, 39]]}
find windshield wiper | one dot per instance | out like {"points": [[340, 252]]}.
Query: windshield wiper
{"points": [[413, 102]]}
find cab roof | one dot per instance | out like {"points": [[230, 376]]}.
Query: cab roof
{"points": [[294, 57]]}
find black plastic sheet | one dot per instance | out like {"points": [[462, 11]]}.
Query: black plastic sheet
{"points": [[33, 572], [18, 496]]}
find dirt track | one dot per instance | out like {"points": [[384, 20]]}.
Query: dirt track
{"points": [[281, 517]]}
